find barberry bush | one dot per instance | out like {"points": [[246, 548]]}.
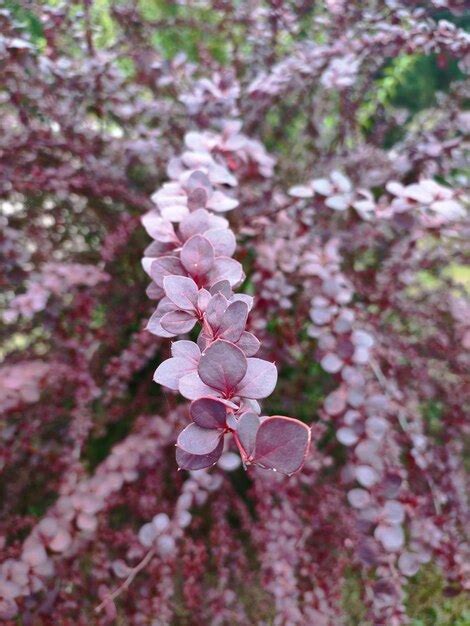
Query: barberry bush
{"points": [[234, 312]]}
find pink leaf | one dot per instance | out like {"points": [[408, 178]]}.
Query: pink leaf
{"points": [[223, 241], [215, 309], [178, 322], [223, 287], [208, 413], [247, 429], [197, 255], [226, 268], [188, 461], [197, 440], [222, 366], [165, 266], [195, 223], [182, 291], [171, 371], [233, 321], [187, 350], [158, 228], [282, 444], [192, 387], [248, 343], [154, 324], [259, 381]]}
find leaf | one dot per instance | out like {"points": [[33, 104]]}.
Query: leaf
{"points": [[197, 440], [223, 241], [170, 371], [259, 381], [154, 326], [192, 387], [233, 321], [188, 461], [282, 444], [158, 228], [248, 343], [195, 223], [208, 413], [222, 366], [223, 287], [247, 428], [178, 322], [187, 350], [215, 309], [182, 291], [165, 266], [220, 202], [198, 180], [197, 255], [226, 268]]}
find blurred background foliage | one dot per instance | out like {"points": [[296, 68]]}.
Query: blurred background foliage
{"points": [[408, 83]]}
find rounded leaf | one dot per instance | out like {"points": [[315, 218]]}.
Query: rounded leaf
{"points": [[282, 444], [247, 429], [259, 380], [226, 268], [165, 266], [178, 322], [197, 440], [182, 291], [170, 371], [222, 366], [233, 321], [188, 461], [197, 255], [192, 387], [208, 413]]}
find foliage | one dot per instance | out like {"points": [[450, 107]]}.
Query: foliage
{"points": [[299, 168]]}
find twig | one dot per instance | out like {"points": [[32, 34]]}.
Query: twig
{"points": [[126, 584]]}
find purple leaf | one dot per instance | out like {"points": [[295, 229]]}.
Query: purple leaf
{"points": [[192, 387], [233, 321], [197, 255], [208, 413], [222, 366], [223, 241], [182, 291], [165, 266], [188, 461], [248, 343], [197, 440], [195, 223], [198, 180], [178, 322], [154, 326], [186, 350], [215, 309], [259, 381], [170, 371], [247, 428], [282, 444], [226, 268], [197, 199], [223, 287], [220, 202], [154, 292], [203, 299], [158, 228]]}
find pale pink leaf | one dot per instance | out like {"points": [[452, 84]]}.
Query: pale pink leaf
{"points": [[259, 381], [197, 440]]}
